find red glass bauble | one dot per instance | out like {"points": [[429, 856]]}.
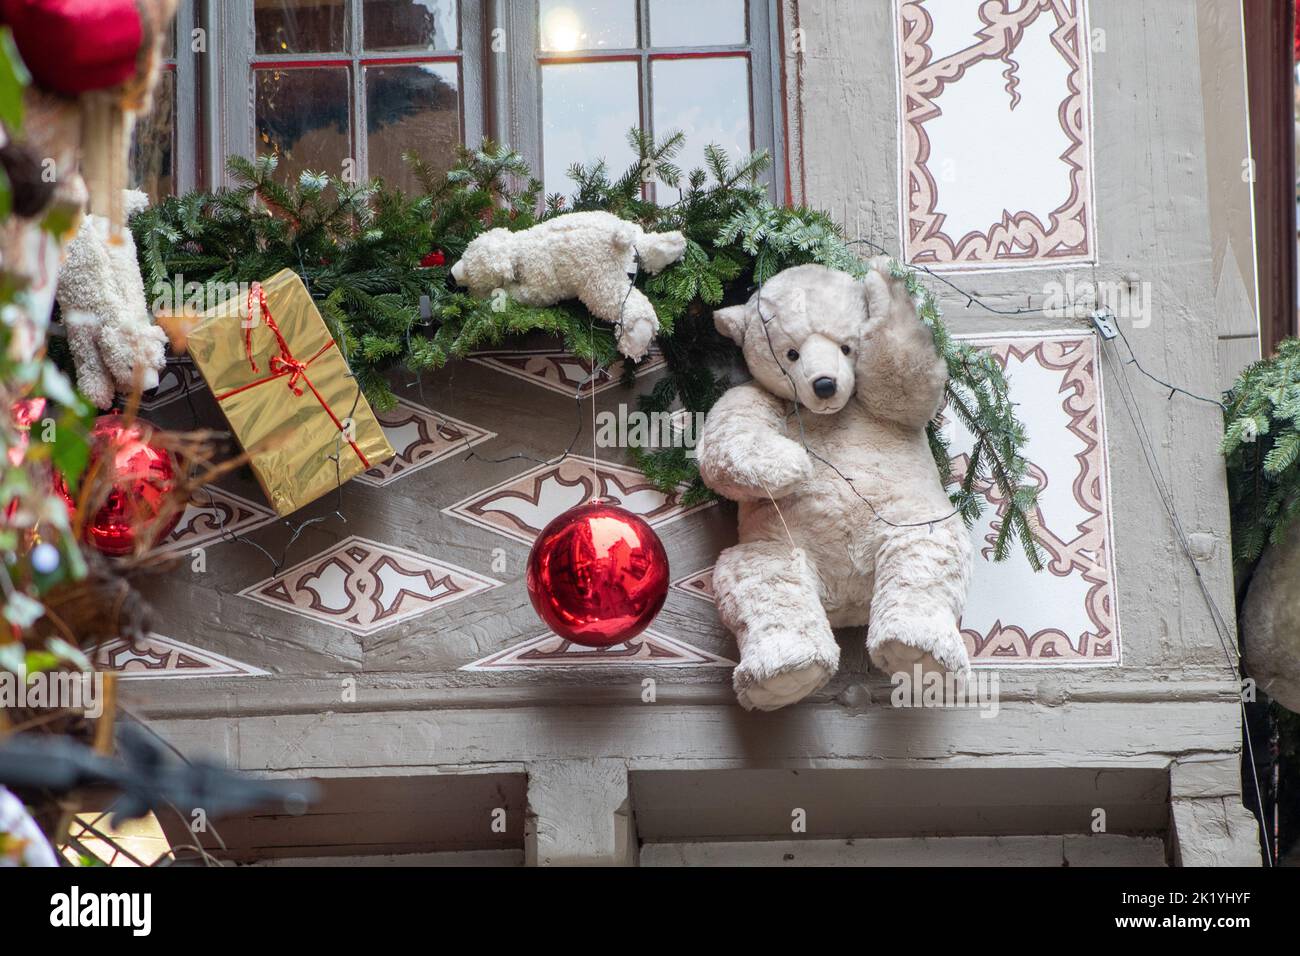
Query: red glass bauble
{"points": [[597, 575], [143, 476]]}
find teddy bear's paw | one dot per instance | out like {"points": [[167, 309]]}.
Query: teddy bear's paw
{"points": [[781, 690], [635, 337], [781, 466], [938, 650]]}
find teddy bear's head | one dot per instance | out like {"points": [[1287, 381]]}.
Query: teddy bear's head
{"points": [[802, 338], [488, 263]]}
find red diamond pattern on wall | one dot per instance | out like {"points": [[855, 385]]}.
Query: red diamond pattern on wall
{"points": [[156, 656], [363, 586], [210, 515], [646, 649], [420, 437], [522, 506], [561, 371], [699, 584]]}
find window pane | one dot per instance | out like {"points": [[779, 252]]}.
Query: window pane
{"points": [[300, 26], [411, 24], [708, 100], [169, 40], [587, 109], [303, 117], [692, 23], [153, 150], [411, 108], [568, 25]]}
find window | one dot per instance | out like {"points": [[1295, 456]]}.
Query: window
{"points": [[596, 68], [351, 85], [163, 159], [347, 86], [608, 65]]}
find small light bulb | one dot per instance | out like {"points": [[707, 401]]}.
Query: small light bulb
{"points": [[45, 558]]}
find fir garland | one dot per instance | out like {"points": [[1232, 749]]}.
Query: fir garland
{"points": [[364, 251], [1261, 443]]}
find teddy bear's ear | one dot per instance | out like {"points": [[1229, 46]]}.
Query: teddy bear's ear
{"points": [[732, 322]]}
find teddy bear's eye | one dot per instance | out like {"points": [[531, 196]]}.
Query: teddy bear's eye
{"points": [[845, 349], [792, 355]]}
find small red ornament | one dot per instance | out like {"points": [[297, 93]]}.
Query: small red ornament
{"points": [[597, 575], [23, 413], [143, 476], [435, 258]]}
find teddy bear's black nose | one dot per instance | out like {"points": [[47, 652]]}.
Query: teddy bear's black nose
{"points": [[824, 387]]}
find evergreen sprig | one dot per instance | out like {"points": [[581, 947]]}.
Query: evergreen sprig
{"points": [[1261, 445]]}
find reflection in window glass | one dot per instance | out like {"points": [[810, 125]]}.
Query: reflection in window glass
{"points": [[706, 99], [410, 25], [411, 108], [569, 25], [587, 109], [300, 26], [153, 149], [169, 41], [302, 116], [692, 23]]}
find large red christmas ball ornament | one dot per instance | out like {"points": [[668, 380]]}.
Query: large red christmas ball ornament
{"points": [[597, 575], [143, 477]]}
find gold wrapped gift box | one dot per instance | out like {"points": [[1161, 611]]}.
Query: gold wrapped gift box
{"points": [[288, 393]]}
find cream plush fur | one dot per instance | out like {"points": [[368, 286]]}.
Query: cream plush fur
{"points": [[110, 328], [581, 255], [846, 567]]}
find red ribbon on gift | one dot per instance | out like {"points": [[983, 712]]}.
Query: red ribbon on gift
{"points": [[285, 364]]}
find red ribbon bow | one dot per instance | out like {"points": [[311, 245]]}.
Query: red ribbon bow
{"points": [[285, 364]]}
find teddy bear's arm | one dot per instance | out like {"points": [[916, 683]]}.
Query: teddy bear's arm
{"points": [[906, 372], [743, 452]]}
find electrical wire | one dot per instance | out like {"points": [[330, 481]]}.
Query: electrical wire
{"points": [[1222, 629]]}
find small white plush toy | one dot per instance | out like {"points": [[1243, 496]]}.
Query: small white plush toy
{"points": [[866, 377], [111, 333], [581, 255]]}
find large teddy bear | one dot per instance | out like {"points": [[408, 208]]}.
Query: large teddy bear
{"points": [[867, 378], [581, 255]]}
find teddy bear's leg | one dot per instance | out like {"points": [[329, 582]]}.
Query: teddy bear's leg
{"points": [[768, 597], [628, 310], [920, 589]]}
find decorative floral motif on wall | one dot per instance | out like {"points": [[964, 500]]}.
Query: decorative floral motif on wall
{"points": [[1066, 613], [560, 371], [163, 657], [646, 649], [522, 506], [213, 515], [364, 586], [421, 438], [996, 128], [699, 584]]}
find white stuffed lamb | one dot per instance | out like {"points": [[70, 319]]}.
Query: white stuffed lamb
{"points": [[581, 255], [114, 342]]}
